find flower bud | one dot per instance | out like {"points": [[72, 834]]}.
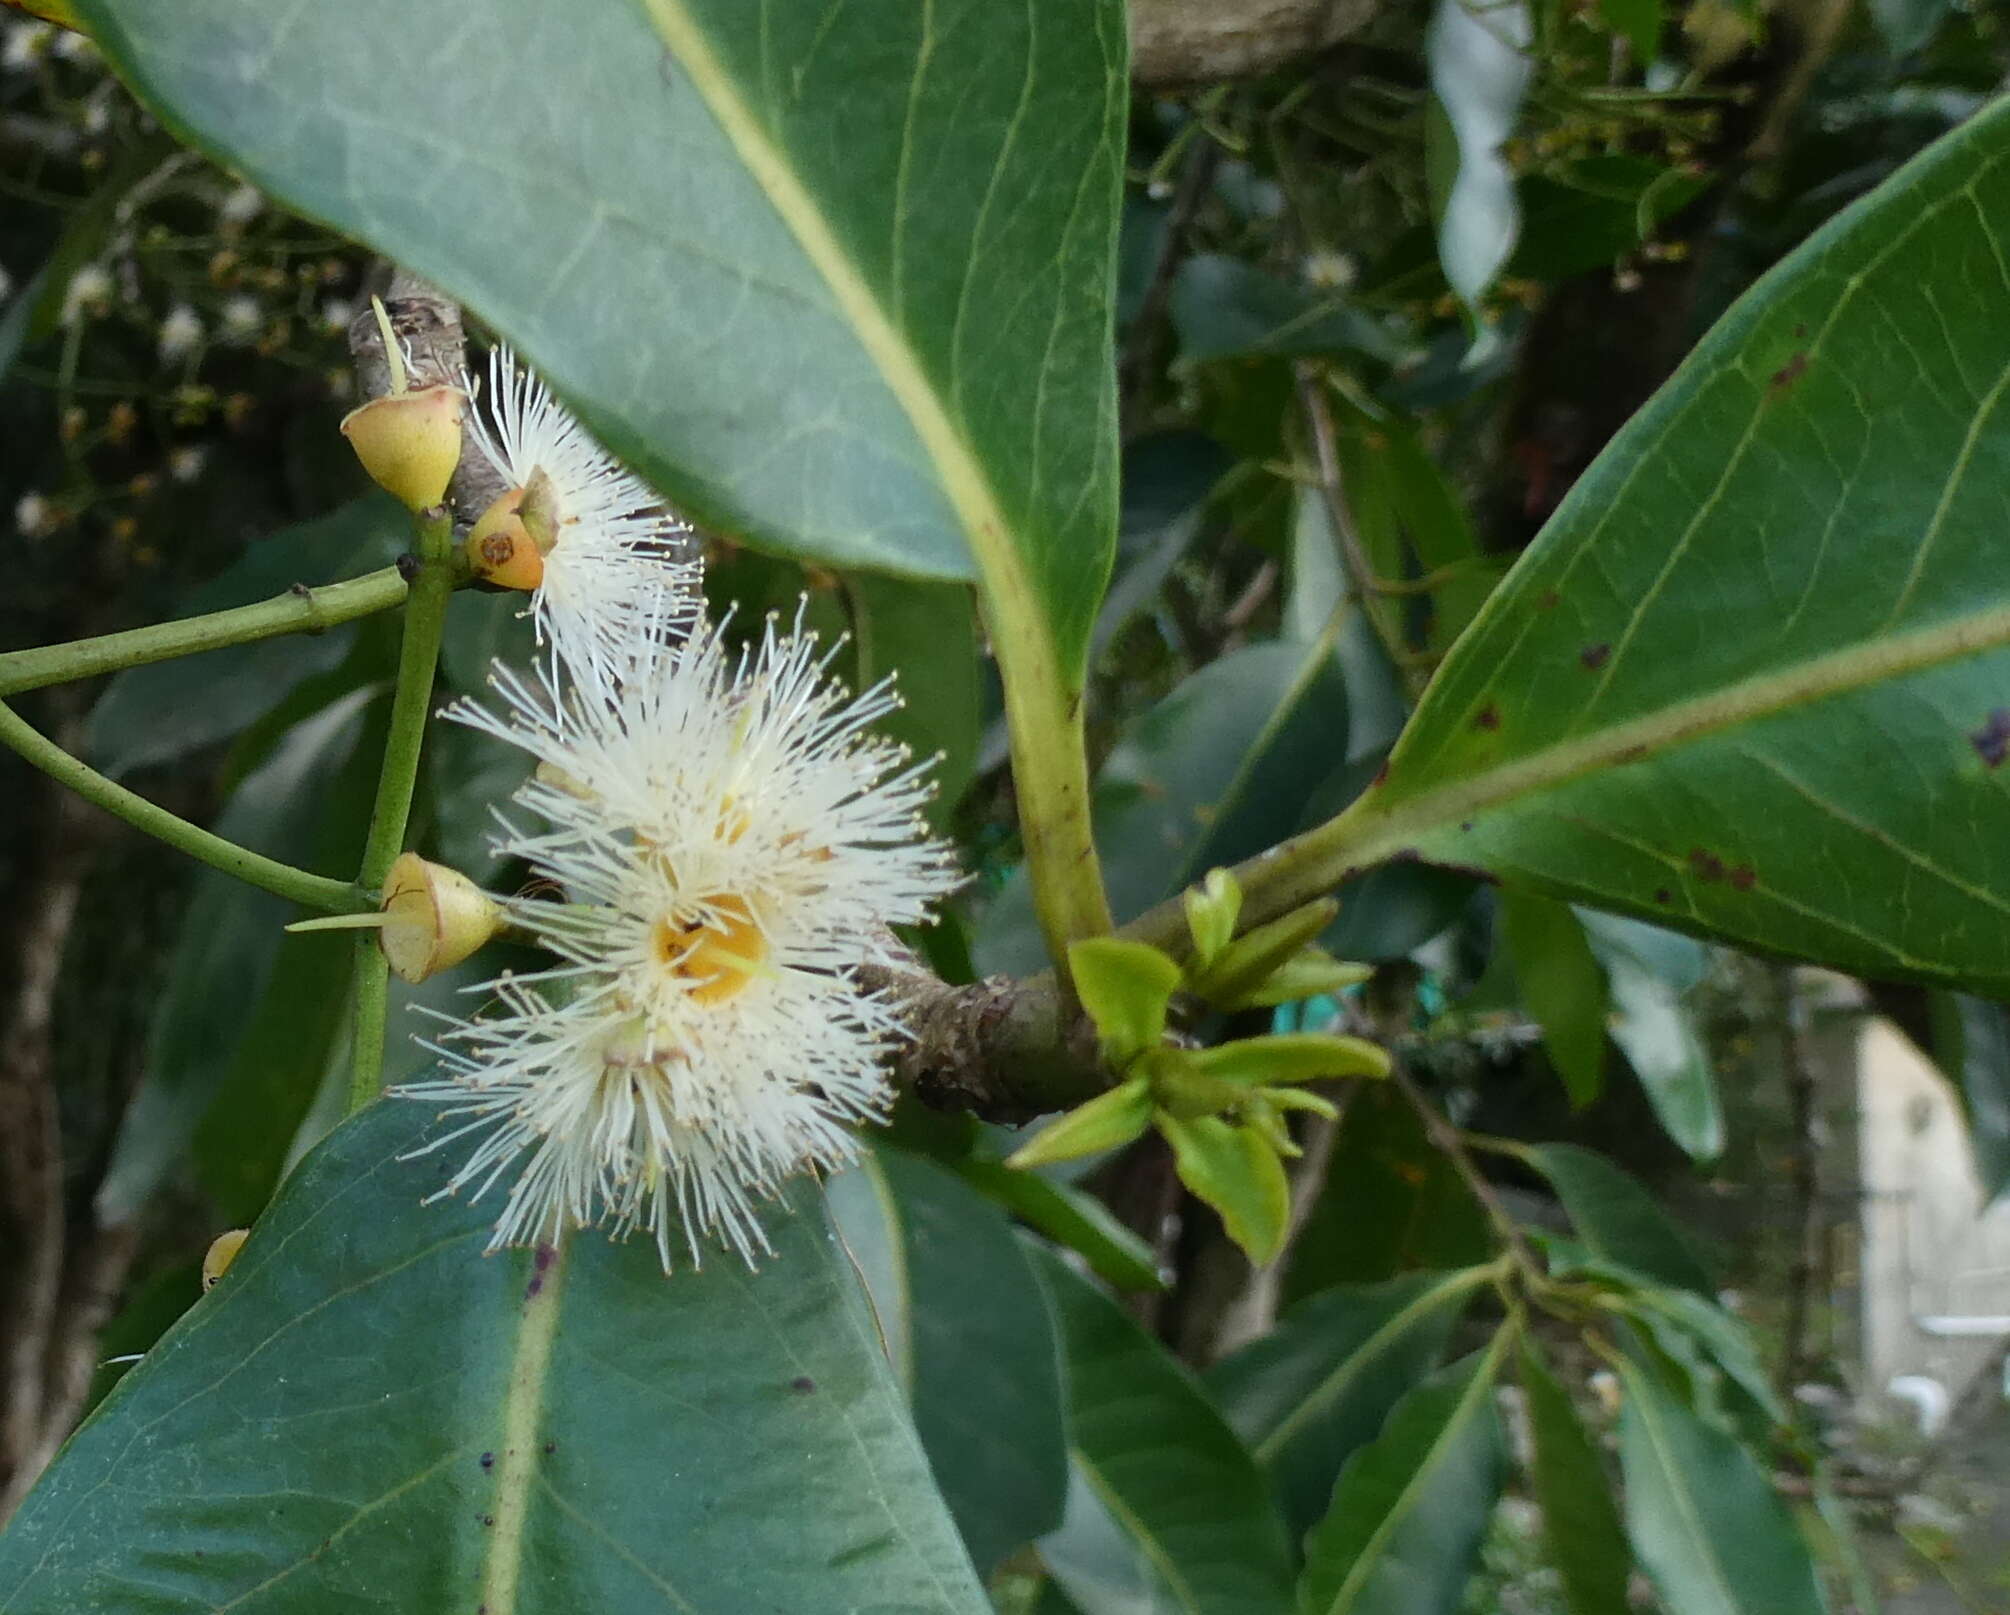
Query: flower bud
{"points": [[501, 549], [221, 1253], [434, 917], [409, 442]]}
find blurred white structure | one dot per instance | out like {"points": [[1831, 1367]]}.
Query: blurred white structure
{"points": [[1934, 1273]]}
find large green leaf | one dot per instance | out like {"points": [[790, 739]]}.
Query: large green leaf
{"points": [[1750, 680], [211, 1030], [1167, 1512], [1411, 1508], [966, 1325], [1563, 987], [1321, 1382], [1617, 1218], [1714, 1536], [835, 279], [1391, 1201], [1580, 1522], [155, 713], [369, 1413]]}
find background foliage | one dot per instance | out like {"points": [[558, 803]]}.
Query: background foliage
{"points": [[839, 291]]}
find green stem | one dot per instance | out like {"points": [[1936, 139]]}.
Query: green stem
{"points": [[283, 880], [418, 654], [300, 611]]}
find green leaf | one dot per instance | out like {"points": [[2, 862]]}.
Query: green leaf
{"points": [[836, 282], [1125, 987], [1320, 1384], [1579, 1521], [1390, 1202], [1781, 572], [368, 1408], [200, 1043], [1167, 1510], [1714, 1536], [1653, 1024], [1310, 974], [1585, 214], [1480, 67], [1639, 21], [1259, 953], [1411, 1508], [1106, 1122], [1971, 1045], [1219, 769], [288, 1038], [1293, 1057], [925, 635], [1167, 477], [1908, 24], [1563, 987], [1073, 1219], [156, 713], [1211, 909], [1235, 1169], [1223, 307], [967, 1320], [1413, 523], [1617, 1219]]}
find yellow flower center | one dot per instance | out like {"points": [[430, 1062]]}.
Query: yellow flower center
{"points": [[718, 956]]}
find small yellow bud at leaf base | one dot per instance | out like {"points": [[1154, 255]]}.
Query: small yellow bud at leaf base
{"points": [[409, 442], [434, 917], [501, 549], [221, 1253]]}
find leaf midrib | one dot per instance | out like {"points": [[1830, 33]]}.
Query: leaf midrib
{"points": [[1480, 1387], [523, 1406], [1379, 827], [1692, 1522]]}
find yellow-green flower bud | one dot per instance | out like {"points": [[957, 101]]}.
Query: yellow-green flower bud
{"points": [[221, 1253], [433, 918], [409, 442], [500, 549]]}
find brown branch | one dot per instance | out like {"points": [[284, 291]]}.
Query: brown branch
{"points": [[1177, 43], [1004, 1050], [31, 1147]]}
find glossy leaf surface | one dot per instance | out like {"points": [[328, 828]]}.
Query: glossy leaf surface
{"points": [[1617, 1218], [1580, 1523], [837, 281], [1750, 681], [1168, 1512], [966, 1324], [368, 1411], [1319, 1385], [1711, 1532], [1411, 1508]]}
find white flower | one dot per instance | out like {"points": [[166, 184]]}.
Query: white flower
{"points": [[241, 317], [74, 47], [31, 515], [25, 42], [336, 313], [185, 464], [241, 206], [616, 548], [89, 291], [731, 841], [180, 333]]}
